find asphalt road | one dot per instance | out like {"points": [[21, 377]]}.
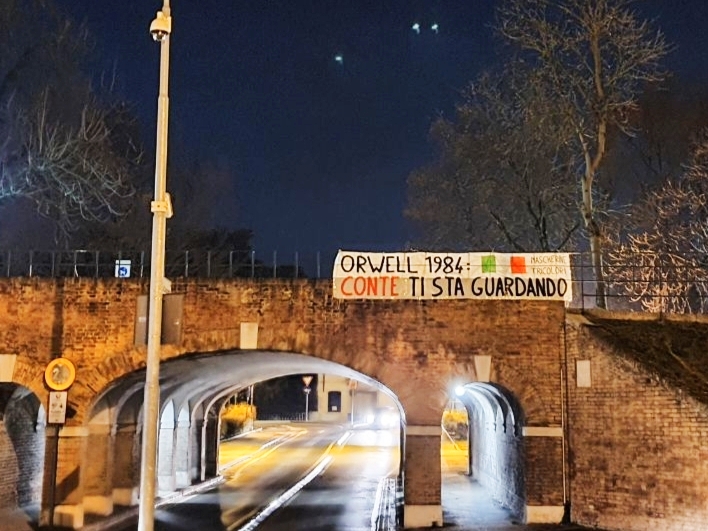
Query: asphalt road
{"points": [[340, 493], [322, 477], [344, 497], [305, 476]]}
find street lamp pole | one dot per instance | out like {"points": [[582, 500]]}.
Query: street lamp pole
{"points": [[160, 29]]}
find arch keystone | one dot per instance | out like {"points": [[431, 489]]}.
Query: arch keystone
{"points": [[249, 336], [483, 368], [7, 367]]}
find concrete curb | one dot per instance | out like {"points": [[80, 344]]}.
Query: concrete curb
{"points": [[131, 514], [384, 516]]}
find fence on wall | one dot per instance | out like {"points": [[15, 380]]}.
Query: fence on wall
{"points": [[651, 282], [136, 264]]}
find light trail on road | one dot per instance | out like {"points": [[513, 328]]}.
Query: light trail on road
{"points": [[292, 477]]}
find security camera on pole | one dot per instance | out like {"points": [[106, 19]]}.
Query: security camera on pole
{"points": [[161, 207], [307, 380]]}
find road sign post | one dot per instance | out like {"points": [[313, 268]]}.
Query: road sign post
{"points": [[307, 380], [59, 375], [307, 390]]}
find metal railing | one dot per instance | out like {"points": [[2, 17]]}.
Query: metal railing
{"points": [[650, 282], [136, 264], [281, 417], [644, 282]]}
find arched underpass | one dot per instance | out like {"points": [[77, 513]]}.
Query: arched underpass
{"points": [[193, 391], [412, 347], [570, 372]]}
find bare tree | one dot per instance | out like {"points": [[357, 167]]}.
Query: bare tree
{"points": [[503, 179], [63, 146], [70, 171], [664, 125], [41, 48], [658, 256], [594, 56]]}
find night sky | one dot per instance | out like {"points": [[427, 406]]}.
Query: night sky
{"points": [[319, 150]]}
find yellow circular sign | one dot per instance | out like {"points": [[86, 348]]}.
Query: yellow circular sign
{"points": [[59, 374]]}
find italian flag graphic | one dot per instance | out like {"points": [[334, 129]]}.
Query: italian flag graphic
{"points": [[517, 264]]}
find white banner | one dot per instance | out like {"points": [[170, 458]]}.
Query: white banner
{"points": [[419, 275]]}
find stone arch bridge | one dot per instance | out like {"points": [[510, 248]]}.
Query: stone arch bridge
{"points": [[222, 335]]}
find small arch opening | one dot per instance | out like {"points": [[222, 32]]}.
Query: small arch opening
{"points": [[22, 451], [482, 430]]}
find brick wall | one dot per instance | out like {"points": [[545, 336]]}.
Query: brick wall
{"points": [[71, 450], [638, 450], [422, 481], [9, 471], [124, 458], [415, 348], [544, 470], [99, 453]]}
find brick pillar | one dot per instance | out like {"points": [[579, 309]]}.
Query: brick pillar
{"points": [[544, 474], [181, 455], [98, 475], [165, 458], [422, 477], [210, 443], [68, 492], [125, 455], [196, 453]]}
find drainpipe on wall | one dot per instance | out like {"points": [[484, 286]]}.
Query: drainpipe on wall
{"points": [[564, 424]]}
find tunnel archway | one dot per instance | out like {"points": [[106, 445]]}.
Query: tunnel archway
{"points": [[496, 455], [22, 450], [193, 391]]}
